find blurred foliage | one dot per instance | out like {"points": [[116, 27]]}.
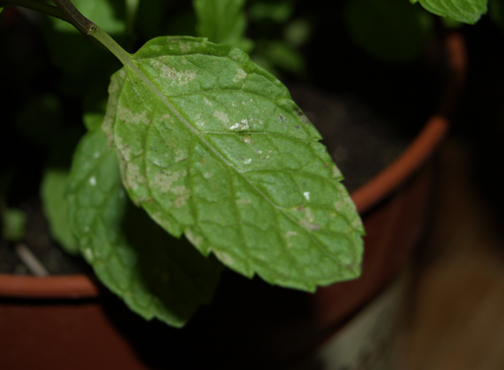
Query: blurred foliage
{"points": [[390, 30]]}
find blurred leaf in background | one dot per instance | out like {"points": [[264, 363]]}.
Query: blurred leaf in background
{"points": [[390, 30], [223, 22], [55, 204], [13, 224], [496, 12]]}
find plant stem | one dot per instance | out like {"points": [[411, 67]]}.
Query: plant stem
{"points": [[37, 6], [80, 22], [107, 41], [69, 13]]}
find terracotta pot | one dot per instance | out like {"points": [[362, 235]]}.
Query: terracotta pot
{"points": [[61, 322]]}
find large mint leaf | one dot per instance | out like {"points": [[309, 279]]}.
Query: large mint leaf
{"points": [[212, 146], [156, 274], [466, 11]]}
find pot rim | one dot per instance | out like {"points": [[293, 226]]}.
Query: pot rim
{"points": [[370, 194]]}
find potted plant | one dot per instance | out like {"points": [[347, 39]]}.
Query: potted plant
{"points": [[185, 119]]}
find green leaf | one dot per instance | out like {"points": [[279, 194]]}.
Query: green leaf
{"points": [[466, 11], [222, 21], [497, 12], [13, 224], [279, 12], [212, 146], [92, 121], [156, 275], [53, 195], [390, 30], [280, 54]]}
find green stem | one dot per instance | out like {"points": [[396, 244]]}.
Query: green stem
{"points": [[90, 29], [69, 13], [39, 7], [80, 22], [107, 41]]}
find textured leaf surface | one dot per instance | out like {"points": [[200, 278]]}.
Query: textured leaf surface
{"points": [[156, 274], [212, 146], [466, 11], [53, 195]]}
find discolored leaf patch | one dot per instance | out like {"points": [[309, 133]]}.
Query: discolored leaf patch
{"points": [[212, 146]]}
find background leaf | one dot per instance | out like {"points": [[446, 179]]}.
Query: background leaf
{"points": [[53, 195], [13, 224], [497, 12], [155, 274], [390, 30], [222, 21], [84, 66], [466, 11], [212, 145]]}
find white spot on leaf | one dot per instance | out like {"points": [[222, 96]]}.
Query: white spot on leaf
{"points": [[221, 116], [240, 75], [127, 116], [225, 258], [164, 180], [181, 77], [180, 155], [89, 254], [92, 181], [243, 125], [184, 46], [336, 172], [194, 239], [289, 234], [133, 176], [307, 195]]}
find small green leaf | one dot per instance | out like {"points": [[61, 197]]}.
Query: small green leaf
{"points": [[390, 30], [212, 146], [497, 12], [280, 54], [92, 121], [466, 11], [13, 224], [156, 275], [53, 194], [279, 12], [222, 21]]}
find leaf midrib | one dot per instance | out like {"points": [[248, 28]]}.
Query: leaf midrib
{"points": [[130, 64]]}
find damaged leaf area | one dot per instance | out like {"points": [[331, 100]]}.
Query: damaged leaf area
{"points": [[213, 147], [155, 274]]}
